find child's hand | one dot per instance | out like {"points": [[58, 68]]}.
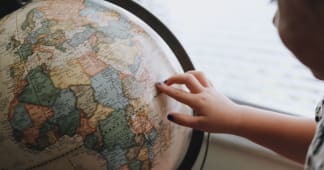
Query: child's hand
{"points": [[215, 112], [284, 134]]}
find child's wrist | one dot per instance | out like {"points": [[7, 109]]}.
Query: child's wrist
{"points": [[238, 121]]}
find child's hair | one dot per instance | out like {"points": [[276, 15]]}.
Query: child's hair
{"points": [[317, 7]]}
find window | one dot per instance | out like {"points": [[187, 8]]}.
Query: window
{"points": [[237, 46]]}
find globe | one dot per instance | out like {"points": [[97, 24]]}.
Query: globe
{"points": [[77, 82]]}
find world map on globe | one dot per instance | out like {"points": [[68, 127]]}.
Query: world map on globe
{"points": [[77, 90]]}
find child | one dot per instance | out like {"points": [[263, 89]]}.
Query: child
{"points": [[301, 28]]}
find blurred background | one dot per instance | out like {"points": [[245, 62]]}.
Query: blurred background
{"points": [[237, 46]]}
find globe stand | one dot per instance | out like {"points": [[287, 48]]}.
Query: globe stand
{"points": [[182, 56]]}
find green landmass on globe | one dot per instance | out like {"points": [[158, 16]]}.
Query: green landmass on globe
{"points": [[77, 90]]}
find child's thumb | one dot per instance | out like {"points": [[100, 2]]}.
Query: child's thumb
{"points": [[184, 120]]}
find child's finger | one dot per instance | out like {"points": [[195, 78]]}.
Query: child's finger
{"points": [[189, 80], [177, 94], [200, 77], [185, 120]]}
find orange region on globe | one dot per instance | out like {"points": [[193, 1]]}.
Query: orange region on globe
{"points": [[91, 64], [85, 129], [31, 135], [71, 9], [123, 75], [38, 114], [141, 124], [21, 84], [39, 49]]}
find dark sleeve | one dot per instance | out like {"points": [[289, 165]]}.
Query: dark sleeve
{"points": [[319, 111]]}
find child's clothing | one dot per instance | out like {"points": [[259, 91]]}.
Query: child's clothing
{"points": [[315, 155]]}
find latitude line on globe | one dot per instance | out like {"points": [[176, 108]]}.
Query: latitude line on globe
{"points": [[54, 158]]}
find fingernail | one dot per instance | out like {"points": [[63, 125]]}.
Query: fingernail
{"points": [[170, 117], [165, 81]]}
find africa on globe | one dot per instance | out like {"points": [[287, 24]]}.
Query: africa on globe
{"points": [[77, 82]]}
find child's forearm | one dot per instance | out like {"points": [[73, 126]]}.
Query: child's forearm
{"points": [[287, 135]]}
